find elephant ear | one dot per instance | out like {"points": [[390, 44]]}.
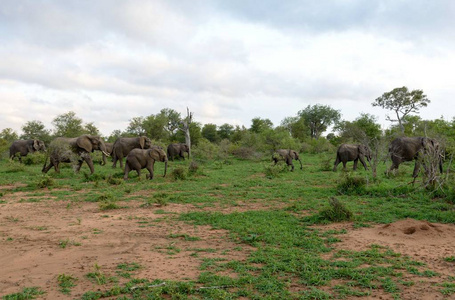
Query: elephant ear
{"points": [[142, 141], [36, 145], [153, 153], [85, 143]]}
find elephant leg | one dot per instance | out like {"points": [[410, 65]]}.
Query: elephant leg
{"points": [[127, 171], [121, 162], [79, 165], [86, 157], [289, 163], [47, 168], [114, 160], [363, 163], [344, 165], [355, 163], [150, 169], [336, 163], [415, 173]]}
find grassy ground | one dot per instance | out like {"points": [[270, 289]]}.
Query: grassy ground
{"points": [[288, 262]]}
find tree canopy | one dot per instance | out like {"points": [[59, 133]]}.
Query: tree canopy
{"points": [[402, 102], [318, 118]]}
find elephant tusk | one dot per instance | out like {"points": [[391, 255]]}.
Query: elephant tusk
{"points": [[105, 153]]}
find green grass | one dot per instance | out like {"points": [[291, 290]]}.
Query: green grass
{"points": [[287, 250], [25, 294]]}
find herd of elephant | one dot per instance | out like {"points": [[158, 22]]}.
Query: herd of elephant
{"points": [[141, 154], [401, 149]]}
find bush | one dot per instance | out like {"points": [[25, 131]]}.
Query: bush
{"points": [[205, 151], [45, 181], [273, 171], [14, 166], [178, 173], [193, 168], [336, 212], [352, 185], [34, 158]]}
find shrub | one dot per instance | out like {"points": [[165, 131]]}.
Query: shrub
{"points": [[336, 212], [36, 158], [273, 171], [14, 166], [113, 180], [352, 185], [193, 168], [178, 173], [45, 181]]}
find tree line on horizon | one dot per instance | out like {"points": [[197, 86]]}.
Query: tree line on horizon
{"points": [[307, 126]]}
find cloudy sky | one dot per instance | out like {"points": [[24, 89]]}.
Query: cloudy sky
{"points": [[227, 60]]}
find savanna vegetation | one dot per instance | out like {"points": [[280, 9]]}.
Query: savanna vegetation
{"points": [[292, 256]]}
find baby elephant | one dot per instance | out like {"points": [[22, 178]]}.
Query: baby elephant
{"points": [[287, 155], [348, 152], [138, 159]]}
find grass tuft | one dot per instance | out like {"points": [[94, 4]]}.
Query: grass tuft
{"points": [[337, 212]]}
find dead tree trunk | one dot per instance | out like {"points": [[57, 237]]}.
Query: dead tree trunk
{"points": [[185, 123]]}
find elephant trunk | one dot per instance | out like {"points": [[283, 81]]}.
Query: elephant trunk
{"points": [[45, 162], [301, 166]]}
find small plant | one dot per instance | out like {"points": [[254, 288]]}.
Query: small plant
{"points": [[108, 204], [97, 276], [352, 185], [66, 282], [14, 166], [45, 181], [193, 168], [113, 180], [27, 293], [336, 212], [275, 170], [129, 266], [178, 173]]}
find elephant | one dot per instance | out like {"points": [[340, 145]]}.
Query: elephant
{"points": [[109, 147], [404, 149], [139, 159], [25, 147], [68, 149], [177, 150], [287, 156], [349, 152], [124, 145]]}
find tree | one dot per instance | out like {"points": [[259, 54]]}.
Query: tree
{"points": [[210, 133], [68, 125], [114, 136], [8, 135], [91, 129], [296, 127], [185, 126], [402, 102], [35, 130], [225, 131], [362, 130], [136, 127], [258, 125], [318, 118]]}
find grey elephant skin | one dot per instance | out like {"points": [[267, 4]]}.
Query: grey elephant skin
{"points": [[25, 147], [124, 145], [350, 152], [69, 149], [287, 155], [412, 148], [109, 147], [139, 159], [177, 150]]}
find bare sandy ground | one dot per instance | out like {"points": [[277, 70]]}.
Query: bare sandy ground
{"points": [[41, 240]]}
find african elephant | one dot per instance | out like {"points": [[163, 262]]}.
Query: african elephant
{"points": [[412, 148], [109, 147], [139, 159], [69, 149], [348, 152], [124, 145], [177, 150], [287, 156], [25, 147]]}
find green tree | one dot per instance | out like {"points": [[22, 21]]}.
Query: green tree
{"points": [[402, 102], [362, 130], [114, 136], [35, 130], [136, 127], [68, 125], [225, 131], [258, 125], [318, 118], [91, 129], [296, 127], [8, 135], [209, 131]]}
